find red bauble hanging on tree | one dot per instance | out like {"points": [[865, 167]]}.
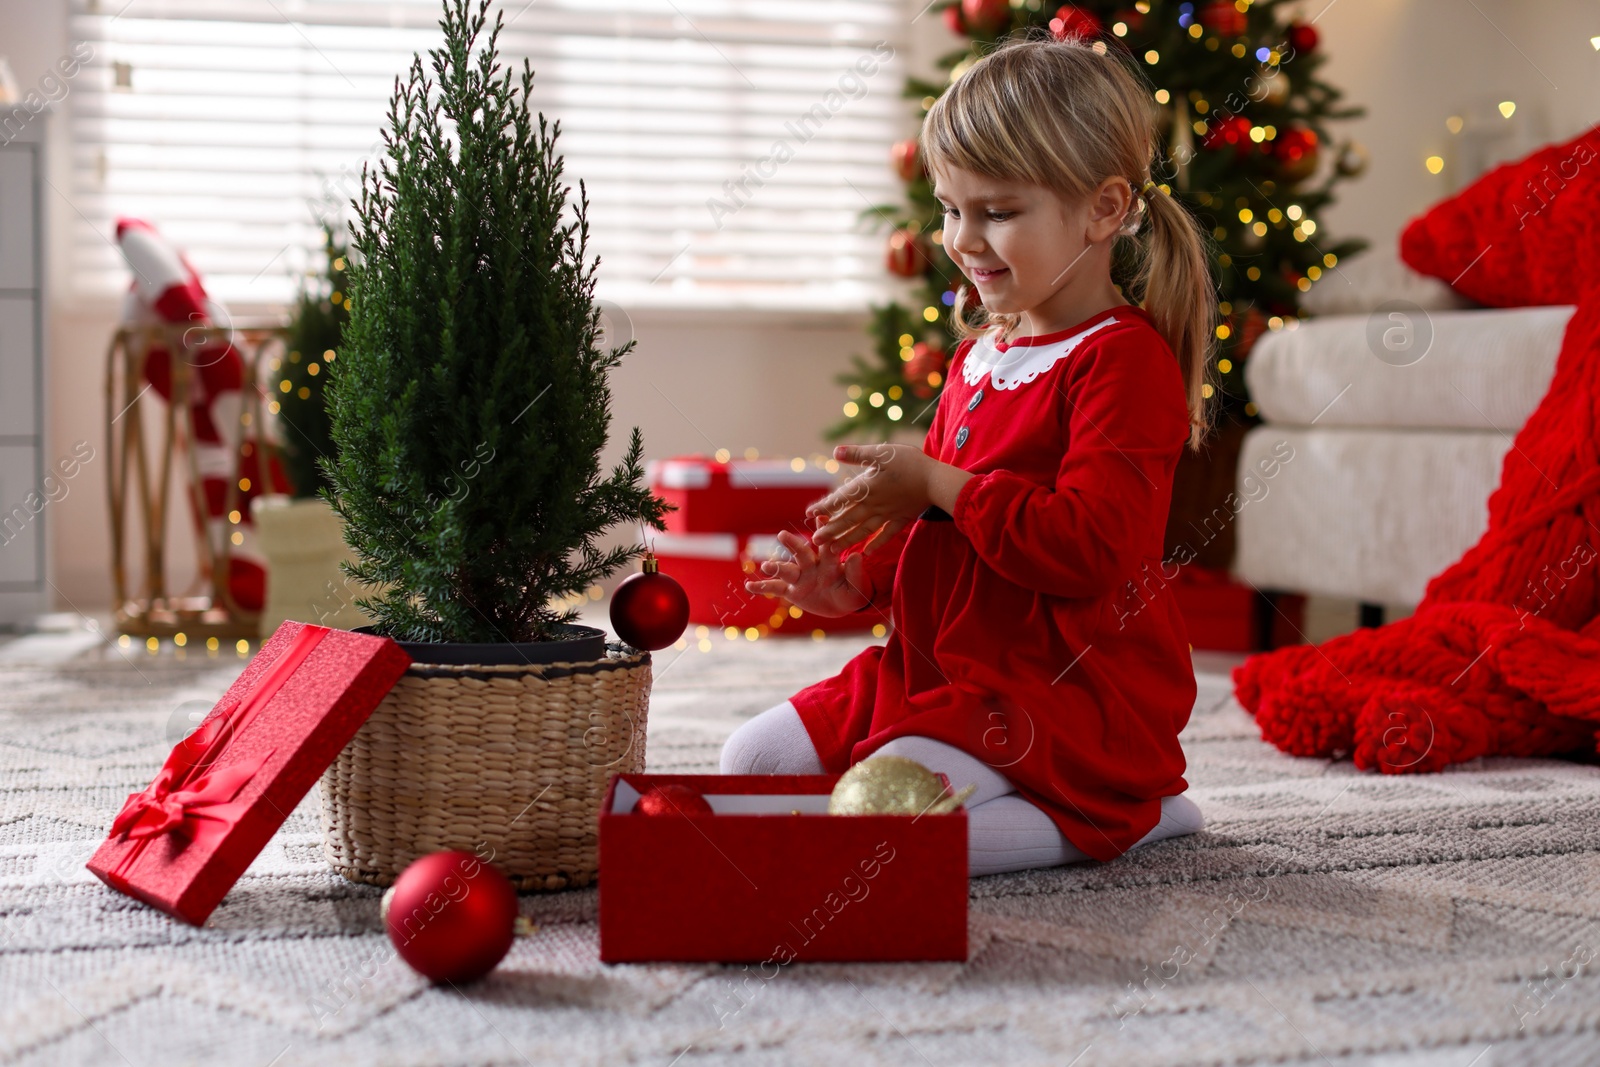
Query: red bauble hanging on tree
{"points": [[907, 159], [451, 916], [649, 610], [986, 16], [1224, 18], [1073, 21], [926, 360], [1232, 132], [954, 19], [905, 257], [1130, 17], [1249, 332], [1302, 37], [1295, 151]]}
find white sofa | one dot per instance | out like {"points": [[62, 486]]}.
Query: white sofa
{"points": [[1373, 468]]}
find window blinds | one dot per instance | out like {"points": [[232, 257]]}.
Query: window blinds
{"points": [[728, 147]]}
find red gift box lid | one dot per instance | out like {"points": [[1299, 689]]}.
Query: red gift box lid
{"points": [[183, 842]]}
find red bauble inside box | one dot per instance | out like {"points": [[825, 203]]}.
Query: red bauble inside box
{"points": [[674, 798]]}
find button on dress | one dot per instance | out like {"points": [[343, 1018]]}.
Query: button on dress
{"points": [[1034, 627]]}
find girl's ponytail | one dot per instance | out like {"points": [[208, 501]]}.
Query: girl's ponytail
{"points": [[1174, 279]]}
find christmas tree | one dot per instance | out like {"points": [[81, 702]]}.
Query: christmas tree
{"points": [[469, 402], [1244, 130], [312, 345]]}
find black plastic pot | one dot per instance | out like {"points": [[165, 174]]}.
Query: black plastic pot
{"points": [[581, 644]]}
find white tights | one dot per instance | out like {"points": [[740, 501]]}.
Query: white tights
{"points": [[1004, 831]]}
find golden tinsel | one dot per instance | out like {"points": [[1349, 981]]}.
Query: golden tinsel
{"points": [[892, 785]]}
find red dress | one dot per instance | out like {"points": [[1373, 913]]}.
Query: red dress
{"points": [[1033, 628]]}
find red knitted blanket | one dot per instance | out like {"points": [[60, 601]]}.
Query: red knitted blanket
{"points": [[1502, 657]]}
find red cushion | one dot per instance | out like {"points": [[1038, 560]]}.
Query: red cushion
{"points": [[1524, 233]]}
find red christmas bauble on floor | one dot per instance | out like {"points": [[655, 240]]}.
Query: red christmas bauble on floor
{"points": [[451, 916], [649, 610], [674, 798]]}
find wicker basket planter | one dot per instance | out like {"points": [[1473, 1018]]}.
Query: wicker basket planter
{"points": [[510, 761]]}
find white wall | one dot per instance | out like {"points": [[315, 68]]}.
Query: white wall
{"points": [[1414, 63], [703, 381]]}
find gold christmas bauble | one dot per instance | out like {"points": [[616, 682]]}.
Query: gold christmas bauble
{"points": [[1353, 159], [892, 785], [1275, 87]]}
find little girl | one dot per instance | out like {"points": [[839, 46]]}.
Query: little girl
{"points": [[1035, 651]]}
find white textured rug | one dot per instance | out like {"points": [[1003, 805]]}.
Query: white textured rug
{"points": [[1324, 916]]}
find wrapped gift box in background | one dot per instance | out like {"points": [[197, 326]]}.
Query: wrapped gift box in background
{"points": [[1226, 615], [729, 514], [226, 788], [770, 877], [713, 567], [737, 496]]}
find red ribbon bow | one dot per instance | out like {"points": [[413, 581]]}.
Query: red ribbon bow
{"points": [[205, 804], [161, 808]]}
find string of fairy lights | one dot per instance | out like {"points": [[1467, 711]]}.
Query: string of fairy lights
{"points": [[338, 299], [180, 642]]}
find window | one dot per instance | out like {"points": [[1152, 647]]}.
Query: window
{"points": [[728, 146]]}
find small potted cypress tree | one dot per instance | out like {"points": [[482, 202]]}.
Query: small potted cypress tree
{"points": [[469, 407], [300, 536]]}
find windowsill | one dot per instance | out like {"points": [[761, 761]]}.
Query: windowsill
{"points": [[787, 318], [821, 318]]}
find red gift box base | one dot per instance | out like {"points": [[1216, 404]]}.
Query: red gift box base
{"points": [[747, 886]]}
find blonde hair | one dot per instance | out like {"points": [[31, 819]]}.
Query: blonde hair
{"points": [[1066, 115]]}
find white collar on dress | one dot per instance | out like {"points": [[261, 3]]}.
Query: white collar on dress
{"points": [[1019, 364]]}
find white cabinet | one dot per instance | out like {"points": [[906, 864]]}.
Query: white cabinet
{"points": [[24, 510], [18, 374], [19, 232]]}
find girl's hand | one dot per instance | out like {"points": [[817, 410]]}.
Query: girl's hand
{"points": [[814, 580], [880, 500]]}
